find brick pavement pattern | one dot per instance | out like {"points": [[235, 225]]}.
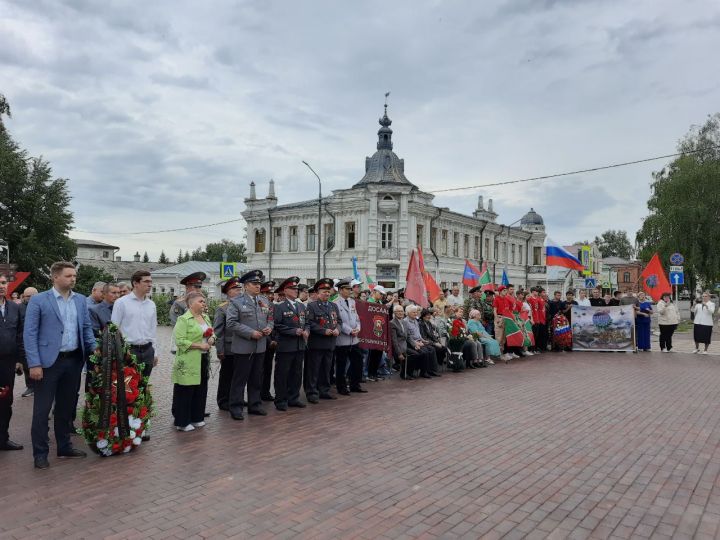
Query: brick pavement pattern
{"points": [[570, 445]]}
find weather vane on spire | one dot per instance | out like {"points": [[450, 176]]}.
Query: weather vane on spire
{"points": [[386, 96]]}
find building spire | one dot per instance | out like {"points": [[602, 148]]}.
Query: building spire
{"points": [[385, 133], [252, 191], [271, 191]]}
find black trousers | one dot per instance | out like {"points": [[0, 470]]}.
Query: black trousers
{"points": [[348, 356], [416, 361], [267, 370], [7, 379], [666, 334], [288, 376], [317, 380], [188, 403], [246, 372], [60, 385], [227, 365], [374, 358], [540, 332]]}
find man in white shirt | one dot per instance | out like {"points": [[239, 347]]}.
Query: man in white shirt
{"points": [[136, 317], [455, 298]]}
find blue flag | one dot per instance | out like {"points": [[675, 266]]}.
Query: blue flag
{"points": [[356, 273], [505, 280]]}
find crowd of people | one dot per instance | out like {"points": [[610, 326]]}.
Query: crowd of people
{"points": [[284, 343]]}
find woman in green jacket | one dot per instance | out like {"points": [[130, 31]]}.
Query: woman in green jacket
{"points": [[193, 336]]}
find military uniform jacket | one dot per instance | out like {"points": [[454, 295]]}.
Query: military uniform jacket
{"points": [[322, 316], [223, 339], [470, 304], [349, 320], [243, 316], [178, 307], [288, 317]]}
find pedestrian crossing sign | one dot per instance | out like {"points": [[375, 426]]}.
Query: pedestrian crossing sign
{"points": [[227, 270]]}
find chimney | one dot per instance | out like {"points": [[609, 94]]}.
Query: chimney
{"points": [[271, 191], [136, 257], [481, 206], [490, 205], [118, 258], [252, 191]]}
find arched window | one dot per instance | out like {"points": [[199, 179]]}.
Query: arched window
{"points": [[388, 198], [259, 240]]}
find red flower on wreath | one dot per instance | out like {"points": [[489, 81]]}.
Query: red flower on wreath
{"points": [[143, 412], [208, 332], [132, 381], [113, 420]]}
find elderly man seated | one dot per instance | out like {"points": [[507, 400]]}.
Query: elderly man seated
{"points": [[416, 343]]}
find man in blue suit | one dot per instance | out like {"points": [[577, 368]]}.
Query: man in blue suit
{"points": [[58, 339]]}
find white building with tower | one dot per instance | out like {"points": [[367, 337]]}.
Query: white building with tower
{"points": [[379, 220]]}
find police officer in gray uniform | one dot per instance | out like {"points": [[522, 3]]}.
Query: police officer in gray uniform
{"points": [[223, 342], [249, 322], [291, 333], [347, 350], [324, 322]]}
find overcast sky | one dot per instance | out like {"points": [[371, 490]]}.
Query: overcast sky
{"points": [[161, 113]]}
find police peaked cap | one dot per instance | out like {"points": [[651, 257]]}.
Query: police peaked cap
{"points": [[194, 279], [288, 283], [253, 276]]}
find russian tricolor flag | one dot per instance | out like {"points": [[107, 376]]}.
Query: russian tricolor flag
{"points": [[556, 255]]}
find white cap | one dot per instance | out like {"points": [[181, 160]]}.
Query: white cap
{"points": [[380, 289], [355, 282]]}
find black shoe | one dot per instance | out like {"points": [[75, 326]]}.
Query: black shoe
{"points": [[73, 453], [258, 412], [281, 406], [344, 392], [327, 396], [434, 374], [145, 437], [425, 376], [298, 404], [267, 397], [312, 400], [28, 392], [206, 414], [10, 445], [224, 407], [42, 462], [359, 390], [237, 415]]}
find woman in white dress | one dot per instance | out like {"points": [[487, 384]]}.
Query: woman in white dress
{"points": [[703, 322]]}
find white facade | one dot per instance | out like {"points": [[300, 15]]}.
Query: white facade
{"points": [[90, 249], [167, 280], [379, 220]]}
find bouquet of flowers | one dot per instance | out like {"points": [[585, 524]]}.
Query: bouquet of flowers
{"points": [[458, 335], [118, 403]]}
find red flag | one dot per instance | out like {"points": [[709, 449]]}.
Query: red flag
{"points": [[415, 286], [421, 259], [433, 289], [655, 282], [19, 278]]}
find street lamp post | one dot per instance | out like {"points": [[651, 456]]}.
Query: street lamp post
{"points": [[319, 223]]}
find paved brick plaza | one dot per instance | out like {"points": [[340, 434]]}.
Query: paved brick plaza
{"points": [[567, 445]]}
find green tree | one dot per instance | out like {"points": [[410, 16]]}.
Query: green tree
{"points": [[35, 216], [198, 254], [145, 257], [87, 276], [163, 258], [180, 257], [614, 243], [235, 252], [685, 206]]}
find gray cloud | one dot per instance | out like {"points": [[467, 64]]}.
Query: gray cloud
{"points": [[161, 114]]}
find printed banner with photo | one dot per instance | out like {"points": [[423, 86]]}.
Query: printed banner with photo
{"points": [[606, 328]]}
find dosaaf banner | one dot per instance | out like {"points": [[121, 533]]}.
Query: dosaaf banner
{"points": [[603, 328], [374, 326]]}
